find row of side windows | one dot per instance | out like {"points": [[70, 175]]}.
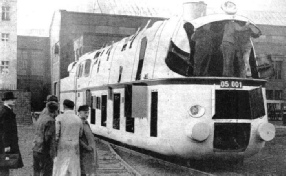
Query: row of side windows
{"points": [[100, 103], [85, 67]]}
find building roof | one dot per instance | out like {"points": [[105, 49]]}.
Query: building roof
{"points": [[133, 8], [267, 17], [273, 14], [259, 17]]}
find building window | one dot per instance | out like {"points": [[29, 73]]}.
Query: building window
{"points": [[278, 69], [278, 94], [269, 94], [5, 13], [5, 37], [4, 67]]}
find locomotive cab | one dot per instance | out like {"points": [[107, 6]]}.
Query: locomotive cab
{"points": [[181, 61]]}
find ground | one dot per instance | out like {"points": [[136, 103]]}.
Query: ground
{"points": [[270, 161], [26, 136]]}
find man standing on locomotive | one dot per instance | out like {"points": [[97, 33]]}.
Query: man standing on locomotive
{"points": [[228, 46], [243, 46], [204, 48]]}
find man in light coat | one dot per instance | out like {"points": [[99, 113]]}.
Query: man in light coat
{"points": [[69, 129]]}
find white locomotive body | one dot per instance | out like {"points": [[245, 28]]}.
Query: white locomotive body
{"points": [[142, 93]]}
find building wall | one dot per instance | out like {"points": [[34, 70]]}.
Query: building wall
{"points": [[68, 26], [272, 46], [34, 68], [22, 107], [89, 42], [8, 45]]}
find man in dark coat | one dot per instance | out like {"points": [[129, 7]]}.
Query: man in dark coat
{"points": [[44, 142], [8, 131], [50, 98]]}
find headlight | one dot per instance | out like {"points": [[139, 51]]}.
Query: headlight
{"points": [[196, 111]]}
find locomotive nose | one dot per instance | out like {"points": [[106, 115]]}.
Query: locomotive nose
{"points": [[266, 131], [199, 131]]}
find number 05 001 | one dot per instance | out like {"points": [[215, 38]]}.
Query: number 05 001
{"points": [[231, 84]]}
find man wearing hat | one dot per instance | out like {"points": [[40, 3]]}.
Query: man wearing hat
{"points": [[88, 153], [8, 131], [69, 129], [50, 98], [44, 142]]}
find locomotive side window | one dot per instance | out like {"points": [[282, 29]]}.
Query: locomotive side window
{"points": [[133, 37], [154, 114], [98, 66], [97, 102], [128, 109], [141, 58], [80, 70], [108, 52], [120, 73], [96, 55], [116, 111], [103, 110], [87, 68], [93, 110]]}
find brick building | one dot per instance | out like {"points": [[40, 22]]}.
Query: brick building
{"points": [[271, 47], [33, 68], [68, 26], [8, 44]]}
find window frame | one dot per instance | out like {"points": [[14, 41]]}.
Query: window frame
{"points": [[5, 37], [6, 13], [4, 65]]}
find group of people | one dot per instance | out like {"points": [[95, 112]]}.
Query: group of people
{"points": [[64, 144], [234, 38]]}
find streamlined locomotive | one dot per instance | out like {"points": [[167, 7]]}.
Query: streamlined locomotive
{"points": [[142, 92]]}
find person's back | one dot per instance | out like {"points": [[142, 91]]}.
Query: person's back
{"points": [[41, 124], [44, 142], [203, 37], [204, 46], [68, 131], [243, 39]]}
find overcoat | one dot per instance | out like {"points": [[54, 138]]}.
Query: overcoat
{"points": [[88, 159], [68, 131], [9, 133]]}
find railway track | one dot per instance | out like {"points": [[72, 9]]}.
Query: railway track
{"points": [[120, 161], [110, 164]]}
